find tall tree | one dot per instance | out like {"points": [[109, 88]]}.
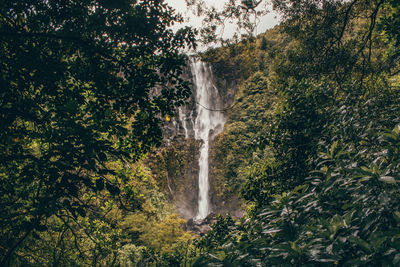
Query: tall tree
{"points": [[82, 82]]}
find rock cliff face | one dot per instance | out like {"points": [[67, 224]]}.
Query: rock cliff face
{"points": [[180, 154]]}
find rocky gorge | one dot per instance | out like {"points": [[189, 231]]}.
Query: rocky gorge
{"points": [[189, 139]]}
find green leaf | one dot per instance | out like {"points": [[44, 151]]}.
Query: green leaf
{"points": [[397, 129], [361, 243], [388, 179], [396, 216], [333, 148], [396, 259], [390, 136], [365, 178], [295, 247]]}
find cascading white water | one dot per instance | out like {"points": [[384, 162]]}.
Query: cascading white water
{"points": [[208, 123], [182, 118]]}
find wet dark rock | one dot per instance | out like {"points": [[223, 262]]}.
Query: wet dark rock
{"points": [[200, 226]]}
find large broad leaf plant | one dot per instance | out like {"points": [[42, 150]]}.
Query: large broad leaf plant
{"points": [[346, 212]]}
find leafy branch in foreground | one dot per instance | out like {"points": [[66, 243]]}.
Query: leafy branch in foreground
{"points": [[347, 211], [79, 86], [244, 15]]}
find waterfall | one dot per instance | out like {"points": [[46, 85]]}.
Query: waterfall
{"points": [[209, 122], [182, 118]]}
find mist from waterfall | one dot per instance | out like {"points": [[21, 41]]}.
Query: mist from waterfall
{"points": [[208, 123]]}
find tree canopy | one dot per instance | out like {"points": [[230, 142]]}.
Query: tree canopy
{"points": [[82, 83], [244, 15]]}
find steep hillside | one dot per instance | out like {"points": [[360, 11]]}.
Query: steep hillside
{"points": [[237, 149], [241, 73]]}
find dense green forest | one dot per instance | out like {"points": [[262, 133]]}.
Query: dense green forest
{"points": [[311, 144]]}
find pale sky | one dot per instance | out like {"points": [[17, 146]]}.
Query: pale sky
{"points": [[266, 22]]}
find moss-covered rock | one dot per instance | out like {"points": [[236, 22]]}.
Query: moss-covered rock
{"points": [[176, 170], [236, 147]]}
